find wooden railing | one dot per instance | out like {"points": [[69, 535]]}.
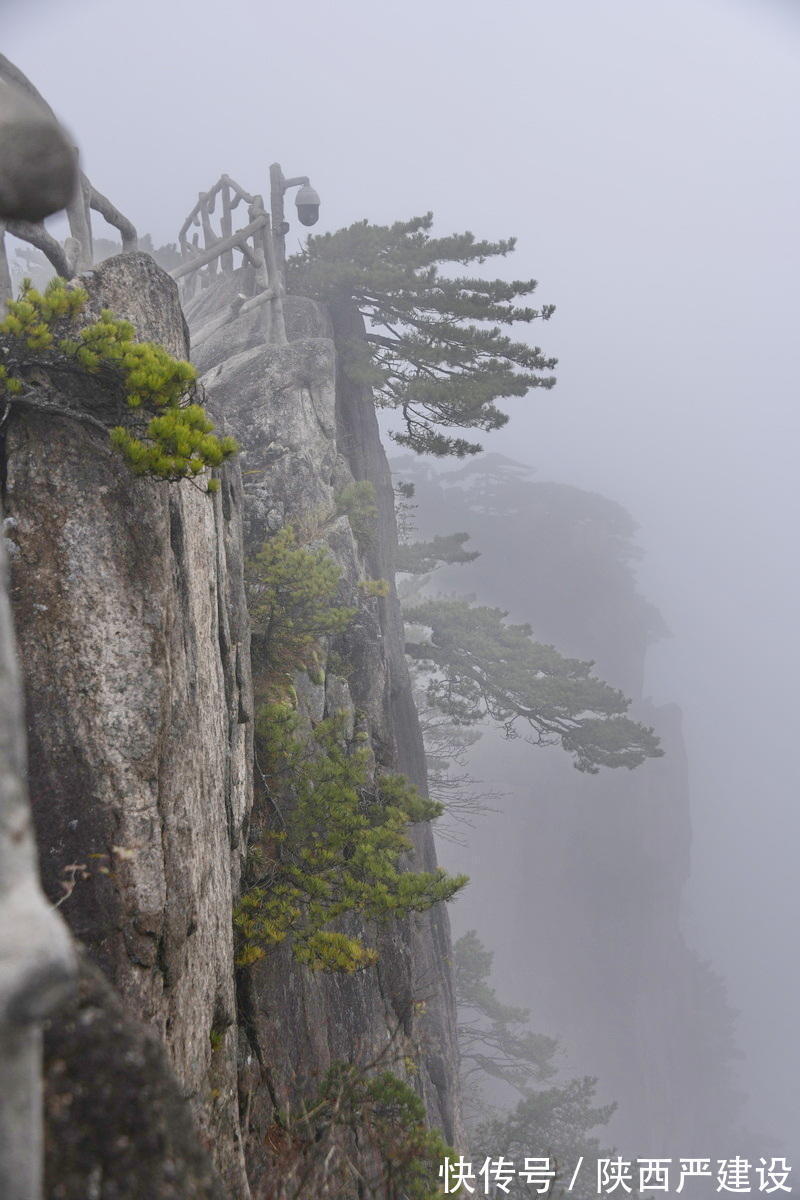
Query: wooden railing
{"points": [[253, 242]]}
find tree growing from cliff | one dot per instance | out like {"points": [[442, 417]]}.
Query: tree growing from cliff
{"points": [[336, 849], [496, 1042], [43, 345], [420, 558], [494, 1038], [364, 1132], [291, 591], [435, 349], [480, 666], [334, 846], [554, 1123]]}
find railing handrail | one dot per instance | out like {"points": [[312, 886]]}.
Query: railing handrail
{"points": [[254, 242], [204, 257]]}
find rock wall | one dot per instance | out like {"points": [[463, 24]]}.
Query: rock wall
{"points": [[36, 958], [305, 434], [131, 620], [118, 1125], [130, 609]]}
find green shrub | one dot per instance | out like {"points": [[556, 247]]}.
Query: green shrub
{"points": [[357, 502], [338, 850], [363, 1133], [166, 437], [291, 592], [374, 587]]}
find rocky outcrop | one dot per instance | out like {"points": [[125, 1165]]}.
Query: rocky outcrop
{"points": [[305, 434], [134, 640], [131, 616], [36, 958], [119, 1134]]}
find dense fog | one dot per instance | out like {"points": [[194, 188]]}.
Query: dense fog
{"points": [[645, 158]]}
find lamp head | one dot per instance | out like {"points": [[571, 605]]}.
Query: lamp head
{"points": [[307, 202]]}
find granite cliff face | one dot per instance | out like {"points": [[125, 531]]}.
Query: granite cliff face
{"points": [[132, 629], [36, 958], [306, 433], [131, 617]]}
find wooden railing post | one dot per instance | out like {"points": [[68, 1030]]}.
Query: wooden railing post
{"points": [[269, 275], [6, 290], [80, 223], [226, 225], [265, 255]]}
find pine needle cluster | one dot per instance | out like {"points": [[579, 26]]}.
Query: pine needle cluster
{"points": [[365, 1133], [435, 348], [291, 593], [337, 850], [480, 666], [167, 437]]}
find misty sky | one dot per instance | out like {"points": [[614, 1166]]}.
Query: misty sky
{"points": [[645, 154]]}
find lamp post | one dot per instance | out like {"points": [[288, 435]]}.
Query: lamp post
{"points": [[307, 202]]}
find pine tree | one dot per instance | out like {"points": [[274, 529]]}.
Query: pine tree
{"points": [[43, 342], [419, 558], [337, 849], [493, 1037], [290, 592], [480, 666], [435, 348], [552, 1122]]}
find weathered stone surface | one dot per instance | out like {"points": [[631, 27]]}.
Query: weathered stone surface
{"points": [[211, 345], [428, 949], [36, 959], [118, 1125], [135, 648], [279, 403], [305, 435], [134, 287], [135, 643]]}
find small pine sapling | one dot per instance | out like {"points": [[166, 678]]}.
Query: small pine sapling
{"points": [[164, 437], [338, 850], [291, 593]]}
